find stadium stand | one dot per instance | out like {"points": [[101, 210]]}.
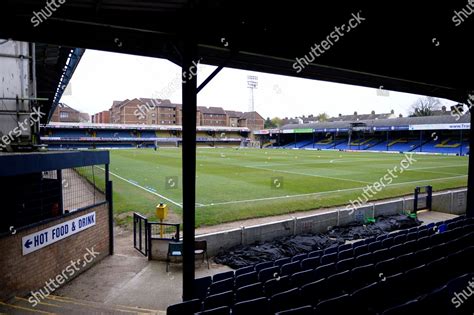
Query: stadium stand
{"points": [[447, 145], [118, 136], [360, 144], [430, 134], [413, 269]]}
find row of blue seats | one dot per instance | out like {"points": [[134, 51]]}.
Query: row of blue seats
{"points": [[366, 300], [358, 146], [381, 145], [343, 256], [243, 286], [284, 292], [413, 233]]}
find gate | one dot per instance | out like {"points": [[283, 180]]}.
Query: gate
{"points": [[140, 233], [145, 231]]}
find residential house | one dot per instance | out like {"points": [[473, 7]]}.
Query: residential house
{"points": [[252, 120], [65, 113], [213, 116], [233, 118], [102, 117]]}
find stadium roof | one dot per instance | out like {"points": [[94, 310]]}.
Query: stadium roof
{"points": [[396, 46], [402, 121], [55, 66], [410, 54]]}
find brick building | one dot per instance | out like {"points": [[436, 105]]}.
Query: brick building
{"points": [[101, 118], [163, 112], [65, 113], [179, 115], [233, 118], [159, 112], [252, 120], [127, 112], [357, 116], [213, 116]]}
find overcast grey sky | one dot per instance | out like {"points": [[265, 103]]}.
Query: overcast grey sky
{"points": [[103, 77]]}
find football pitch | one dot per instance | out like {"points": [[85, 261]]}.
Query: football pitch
{"points": [[234, 184]]}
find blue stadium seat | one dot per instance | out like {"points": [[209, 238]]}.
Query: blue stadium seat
{"points": [[223, 276], [255, 306]]}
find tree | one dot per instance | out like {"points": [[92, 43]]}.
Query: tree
{"points": [[424, 106], [276, 122], [269, 123], [322, 117]]}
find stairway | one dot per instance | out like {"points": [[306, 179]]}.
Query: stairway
{"points": [[374, 144], [54, 304]]}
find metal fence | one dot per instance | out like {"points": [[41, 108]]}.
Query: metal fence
{"points": [[81, 187], [32, 198]]}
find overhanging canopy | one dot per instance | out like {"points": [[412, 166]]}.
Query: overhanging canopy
{"points": [[397, 46]]}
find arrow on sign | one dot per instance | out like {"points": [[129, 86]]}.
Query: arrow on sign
{"points": [[28, 243]]}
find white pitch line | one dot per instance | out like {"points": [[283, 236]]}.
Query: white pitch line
{"points": [[431, 167], [312, 175], [322, 193], [321, 161], [345, 160], [433, 172], [145, 189]]}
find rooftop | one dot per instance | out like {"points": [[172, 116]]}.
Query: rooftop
{"points": [[400, 121]]}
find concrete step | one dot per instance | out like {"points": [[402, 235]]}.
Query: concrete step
{"points": [[64, 305], [10, 307]]}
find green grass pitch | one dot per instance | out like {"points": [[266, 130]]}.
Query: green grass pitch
{"points": [[234, 184]]}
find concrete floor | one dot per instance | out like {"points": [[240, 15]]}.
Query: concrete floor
{"points": [[432, 216], [128, 278]]}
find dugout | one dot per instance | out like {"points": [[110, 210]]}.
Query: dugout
{"points": [[244, 35]]}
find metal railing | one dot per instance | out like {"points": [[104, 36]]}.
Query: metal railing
{"points": [[140, 233], [164, 231], [145, 231]]}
